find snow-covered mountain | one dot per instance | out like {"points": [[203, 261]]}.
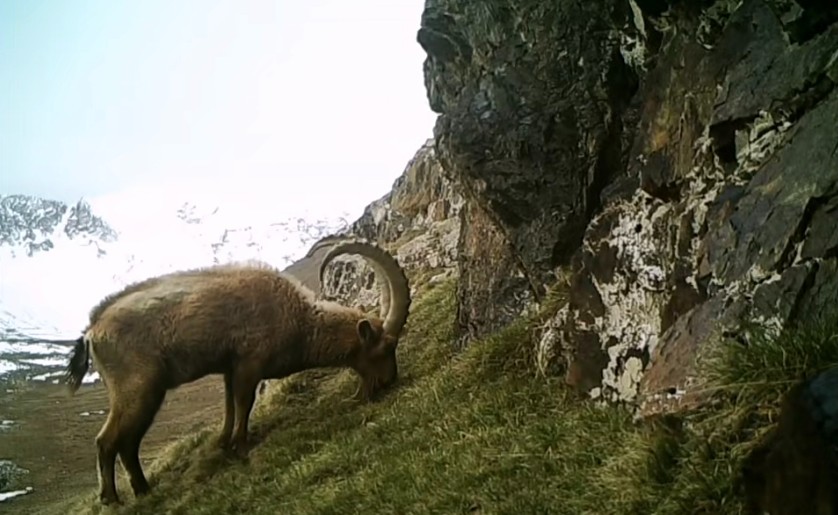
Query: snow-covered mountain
{"points": [[57, 260], [29, 225]]}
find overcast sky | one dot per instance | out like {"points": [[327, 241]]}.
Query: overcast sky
{"points": [[273, 101]]}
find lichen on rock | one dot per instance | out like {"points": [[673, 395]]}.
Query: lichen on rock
{"points": [[679, 160], [737, 180]]}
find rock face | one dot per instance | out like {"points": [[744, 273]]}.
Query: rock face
{"points": [[10, 474], [680, 158], [735, 155], [678, 161], [492, 290], [532, 98], [419, 221]]}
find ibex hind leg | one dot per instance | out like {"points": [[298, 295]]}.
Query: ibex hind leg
{"points": [[134, 424], [106, 444]]}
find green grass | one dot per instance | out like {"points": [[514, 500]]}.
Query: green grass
{"points": [[480, 432]]}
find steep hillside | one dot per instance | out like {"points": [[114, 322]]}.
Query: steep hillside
{"points": [[473, 431], [630, 202]]}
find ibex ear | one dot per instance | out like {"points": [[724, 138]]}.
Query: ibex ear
{"points": [[366, 333]]}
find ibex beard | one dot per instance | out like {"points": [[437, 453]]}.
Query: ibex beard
{"points": [[247, 322]]}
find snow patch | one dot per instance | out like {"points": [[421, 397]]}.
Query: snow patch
{"points": [[44, 362], [31, 348], [5, 496]]}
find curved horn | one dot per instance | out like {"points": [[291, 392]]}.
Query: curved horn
{"points": [[384, 288], [328, 241], [386, 267]]}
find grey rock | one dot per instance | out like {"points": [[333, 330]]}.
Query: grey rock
{"points": [[492, 290], [532, 97], [737, 154], [10, 474]]}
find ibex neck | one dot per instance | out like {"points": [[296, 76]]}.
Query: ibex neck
{"points": [[334, 339]]}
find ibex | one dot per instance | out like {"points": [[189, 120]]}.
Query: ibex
{"points": [[248, 322]]}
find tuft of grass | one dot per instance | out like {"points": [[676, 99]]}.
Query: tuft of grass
{"points": [[478, 431]]}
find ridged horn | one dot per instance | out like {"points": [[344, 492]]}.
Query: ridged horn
{"points": [[328, 241], [395, 290], [380, 276]]}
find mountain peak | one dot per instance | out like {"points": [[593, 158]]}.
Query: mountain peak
{"points": [[31, 224]]}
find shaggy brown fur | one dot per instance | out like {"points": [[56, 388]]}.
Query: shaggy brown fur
{"points": [[248, 322]]}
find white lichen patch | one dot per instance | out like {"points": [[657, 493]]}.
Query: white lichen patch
{"points": [[772, 324], [633, 51], [626, 382], [380, 212], [757, 142], [632, 43], [635, 296], [757, 274], [637, 18], [646, 242]]}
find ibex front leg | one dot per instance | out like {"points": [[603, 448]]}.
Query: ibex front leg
{"points": [[229, 412], [246, 378]]}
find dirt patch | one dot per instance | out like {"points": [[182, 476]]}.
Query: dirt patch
{"points": [[53, 434]]}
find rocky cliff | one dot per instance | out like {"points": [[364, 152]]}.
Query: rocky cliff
{"points": [[419, 221], [678, 161]]}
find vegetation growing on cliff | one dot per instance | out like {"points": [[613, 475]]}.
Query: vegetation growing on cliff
{"points": [[480, 432]]}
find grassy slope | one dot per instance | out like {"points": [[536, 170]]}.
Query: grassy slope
{"points": [[478, 432]]}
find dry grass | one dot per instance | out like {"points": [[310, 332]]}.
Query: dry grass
{"points": [[479, 432]]}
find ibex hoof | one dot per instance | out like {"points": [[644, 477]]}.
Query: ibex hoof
{"points": [[109, 499], [240, 449], [141, 489], [223, 442]]}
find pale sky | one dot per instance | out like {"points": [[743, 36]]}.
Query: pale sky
{"points": [[286, 103]]}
